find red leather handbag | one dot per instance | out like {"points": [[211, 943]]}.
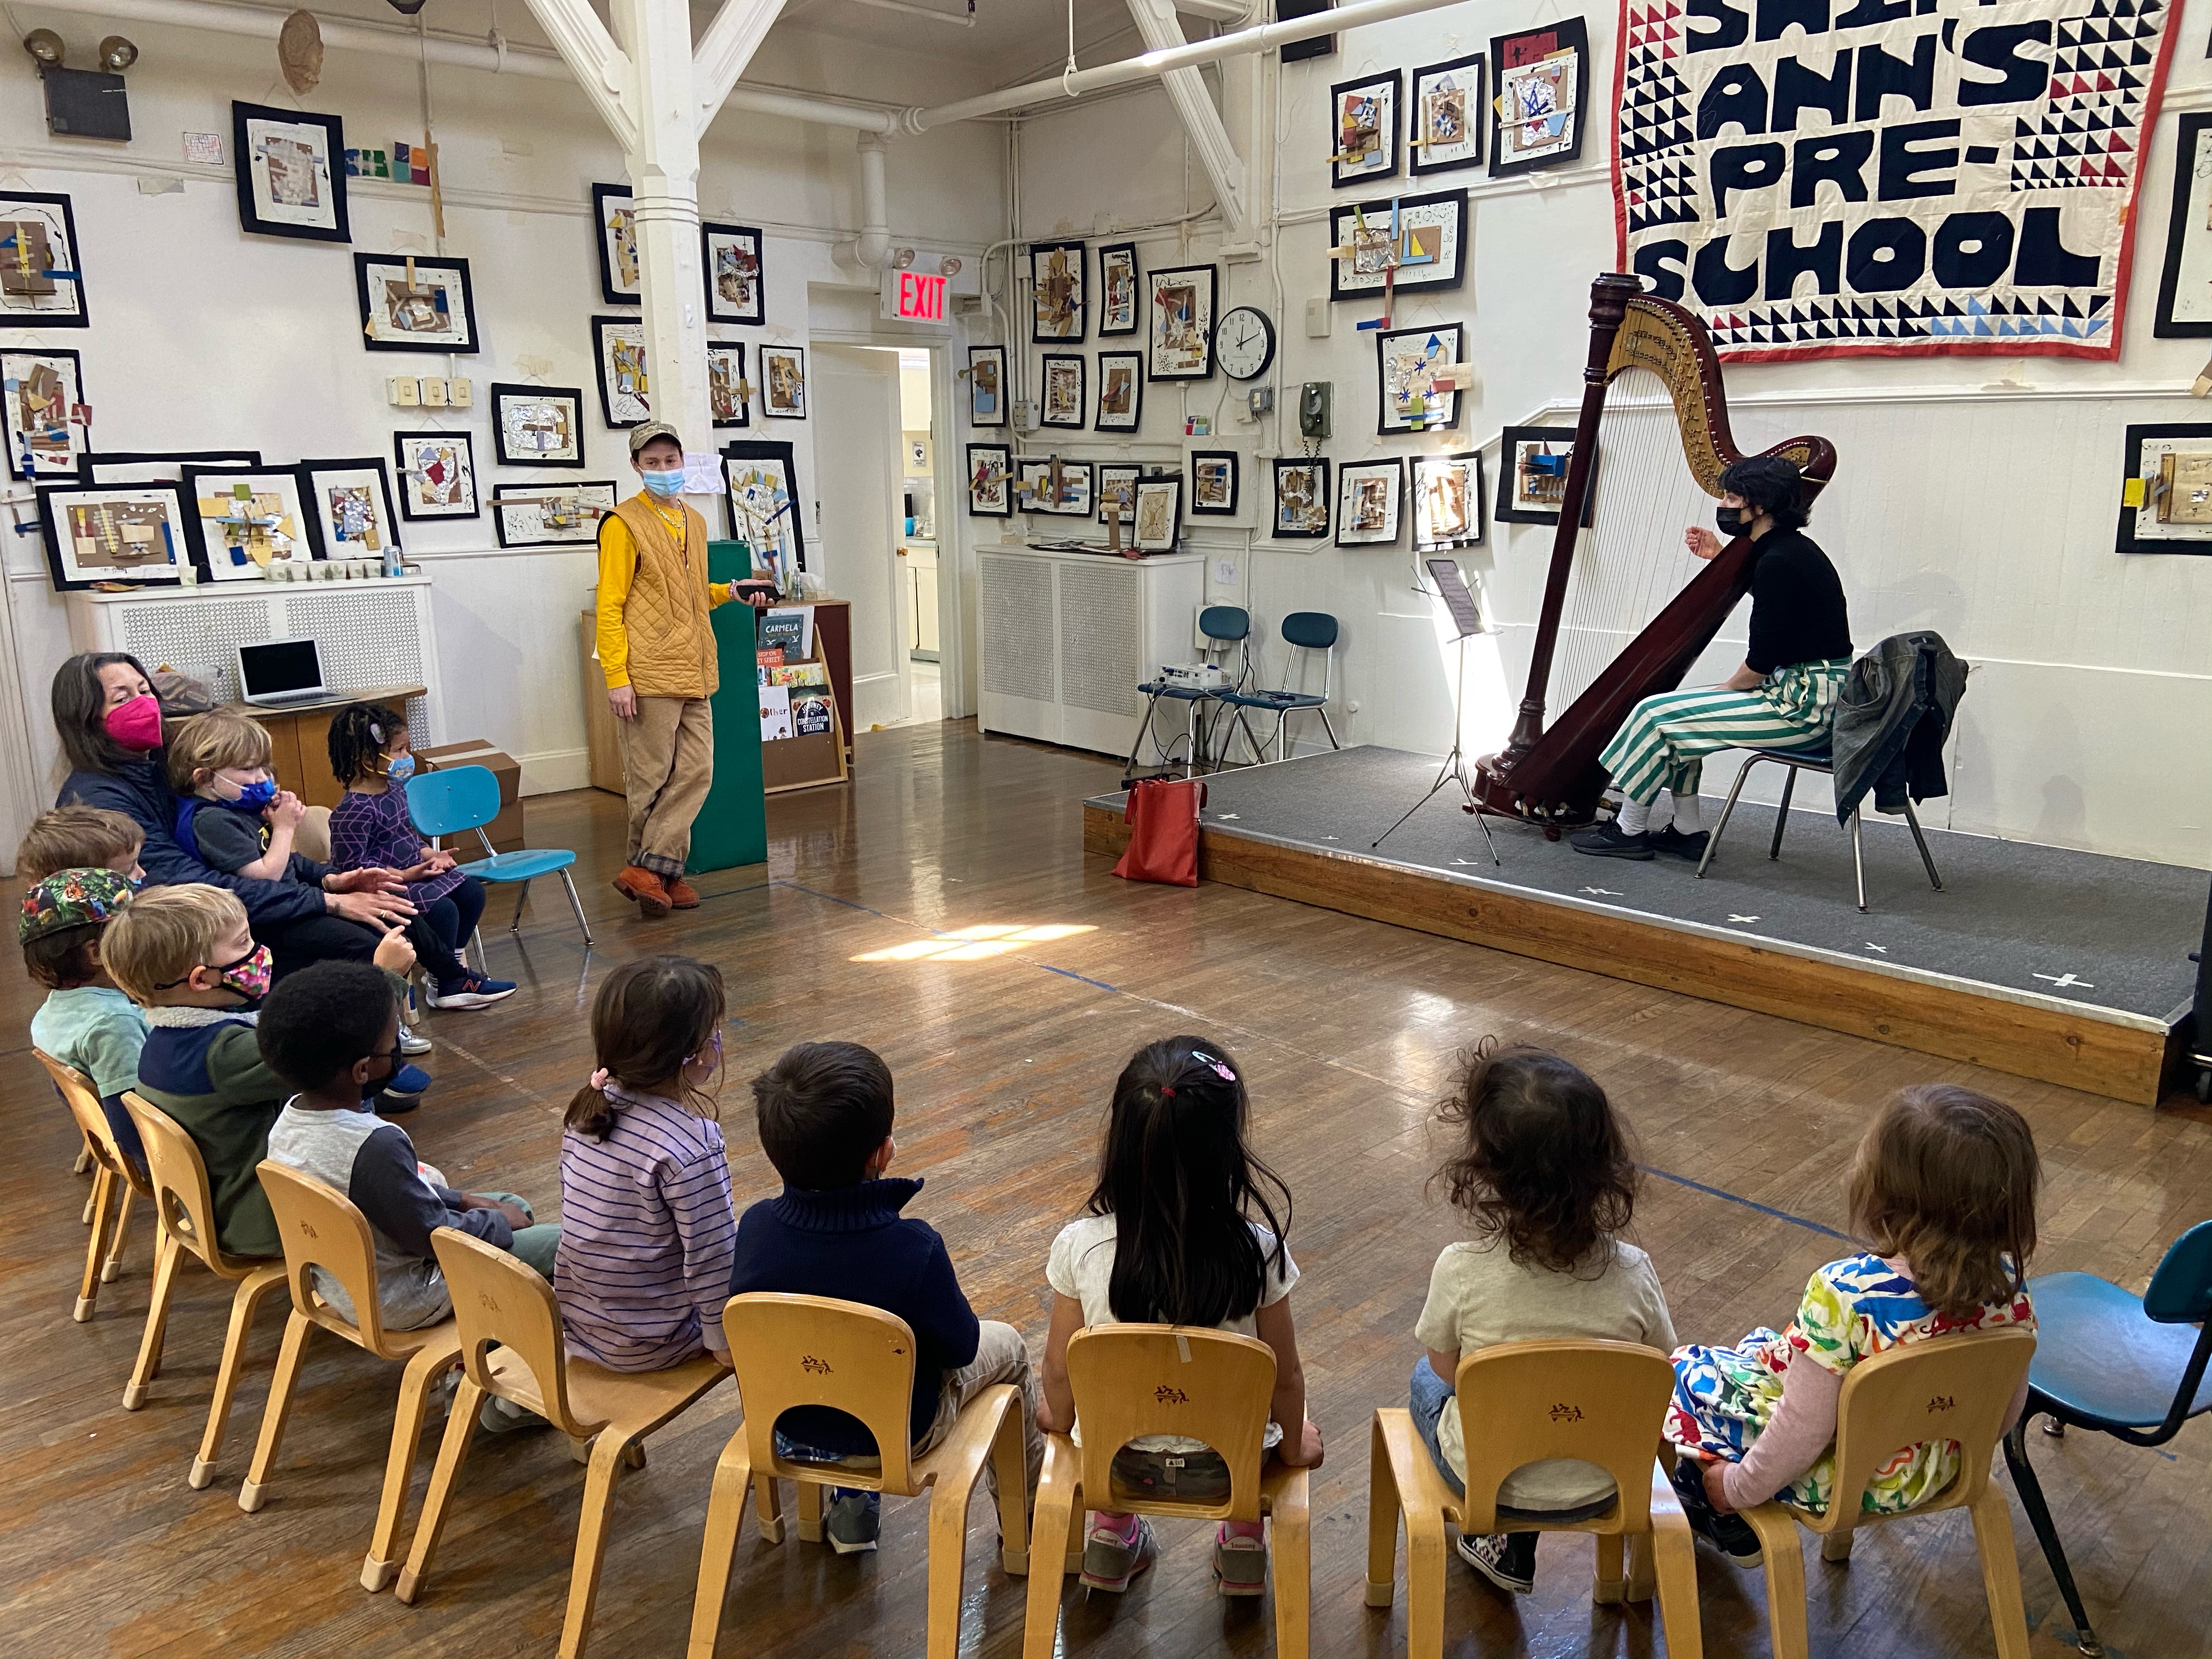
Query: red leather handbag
{"points": [[1162, 819]]}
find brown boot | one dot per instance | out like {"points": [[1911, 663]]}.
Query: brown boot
{"points": [[645, 887], [682, 894]]}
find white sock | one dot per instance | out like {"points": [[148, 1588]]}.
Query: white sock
{"points": [[1685, 814], [1635, 816]]}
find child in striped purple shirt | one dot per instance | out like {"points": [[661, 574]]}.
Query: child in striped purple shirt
{"points": [[647, 1233]]}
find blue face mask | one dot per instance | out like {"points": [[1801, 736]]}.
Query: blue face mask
{"points": [[667, 485], [403, 767], [253, 797]]}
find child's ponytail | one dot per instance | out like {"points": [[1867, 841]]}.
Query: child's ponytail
{"points": [[652, 1017]]}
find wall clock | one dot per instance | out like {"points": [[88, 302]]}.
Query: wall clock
{"points": [[1244, 343]]}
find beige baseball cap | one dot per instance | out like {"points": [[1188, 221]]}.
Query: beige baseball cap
{"points": [[639, 436]]}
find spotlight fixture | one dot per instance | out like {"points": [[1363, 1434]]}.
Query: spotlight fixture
{"points": [[117, 54], [950, 264], [45, 45], [902, 259]]}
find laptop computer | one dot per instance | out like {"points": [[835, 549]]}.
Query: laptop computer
{"points": [[275, 672]]}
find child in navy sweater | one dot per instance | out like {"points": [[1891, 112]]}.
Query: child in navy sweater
{"points": [[824, 1110]]}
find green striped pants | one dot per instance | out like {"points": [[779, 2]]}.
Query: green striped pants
{"points": [[1663, 743]]}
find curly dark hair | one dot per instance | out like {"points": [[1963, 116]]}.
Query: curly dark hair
{"points": [[1771, 484], [359, 736], [1545, 1164]]}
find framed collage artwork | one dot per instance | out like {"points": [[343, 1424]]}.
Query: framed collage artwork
{"points": [[614, 232], [46, 414], [1426, 235], [1063, 400], [1057, 310], [413, 303], [990, 481], [1116, 489], [1363, 130], [1181, 313], [760, 477], [1368, 496], [987, 386], [2184, 285], [1214, 482], [1300, 510], [1444, 119], [2165, 496], [349, 505], [290, 169], [437, 475], [1117, 290], [1407, 397], [135, 533], [737, 286], [1159, 515], [536, 425], [41, 281], [550, 515], [1446, 501], [618, 353], [1052, 485], [247, 521], [727, 401], [1537, 93], [1532, 472], [1121, 390], [783, 382]]}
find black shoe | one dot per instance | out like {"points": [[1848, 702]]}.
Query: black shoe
{"points": [[1731, 1535], [1671, 840], [1608, 841], [1507, 1559], [391, 1105]]}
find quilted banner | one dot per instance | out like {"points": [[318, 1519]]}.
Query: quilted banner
{"points": [[1837, 178]]}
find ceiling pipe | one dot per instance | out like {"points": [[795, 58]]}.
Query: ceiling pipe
{"points": [[1152, 64], [873, 245]]}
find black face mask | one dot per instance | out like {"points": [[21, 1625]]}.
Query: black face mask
{"points": [[1733, 520], [370, 1091]]}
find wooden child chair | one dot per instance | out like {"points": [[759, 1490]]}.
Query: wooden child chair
{"points": [[1130, 1381], [1520, 1402], [184, 1209], [113, 1177], [1952, 1388], [511, 1346], [322, 1229], [813, 1350]]}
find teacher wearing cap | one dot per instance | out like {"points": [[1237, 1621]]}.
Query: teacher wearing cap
{"points": [[657, 649]]}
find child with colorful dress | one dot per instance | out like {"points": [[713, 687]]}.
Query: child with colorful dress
{"points": [[370, 827], [1943, 1191]]}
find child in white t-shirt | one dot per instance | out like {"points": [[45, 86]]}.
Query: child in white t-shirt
{"points": [[1171, 1239], [1545, 1175]]}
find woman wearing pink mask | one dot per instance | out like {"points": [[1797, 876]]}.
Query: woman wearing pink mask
{"points": [[110, 725]]}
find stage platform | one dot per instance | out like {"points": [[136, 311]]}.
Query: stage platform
{"points": [[2069, 967]]}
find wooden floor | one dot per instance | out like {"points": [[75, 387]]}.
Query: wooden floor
{"points": [[1005, 1053]]}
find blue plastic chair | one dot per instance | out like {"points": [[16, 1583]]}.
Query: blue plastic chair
{"points": [[1223, 626], [2120, 1364], [1308, 631], [445, 803]]}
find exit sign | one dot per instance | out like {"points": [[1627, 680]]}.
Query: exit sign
{"points": [[916, 296]]}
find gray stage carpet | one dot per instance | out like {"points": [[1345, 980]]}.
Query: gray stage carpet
{"points": [[2023, 920]]}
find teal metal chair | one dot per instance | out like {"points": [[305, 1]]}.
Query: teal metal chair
{"points": [[2117, 1363], [1314, 633], [448, 802], [1226, 627]]}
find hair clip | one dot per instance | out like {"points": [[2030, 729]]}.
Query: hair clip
{"points": [[1167, 1092], [375, 732], [1219, 1069]]}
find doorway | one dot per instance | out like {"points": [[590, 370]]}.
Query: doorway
{"points": [[917, 550], [862, 478]]}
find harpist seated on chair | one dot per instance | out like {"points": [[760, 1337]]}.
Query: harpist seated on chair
{"points": [[1783, 694]]}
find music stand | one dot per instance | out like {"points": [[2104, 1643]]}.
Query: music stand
{"points": [[1466, 617]]}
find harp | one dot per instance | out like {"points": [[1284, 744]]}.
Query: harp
{"points": [[1608, 634]]}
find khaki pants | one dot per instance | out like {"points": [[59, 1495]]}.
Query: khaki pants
{"points": [[668, 762]]}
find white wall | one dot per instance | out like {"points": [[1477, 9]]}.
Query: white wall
{"points": [[205, 337], [1986, 515]]}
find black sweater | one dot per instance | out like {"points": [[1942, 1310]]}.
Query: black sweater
{"points": [[1797, 609]]}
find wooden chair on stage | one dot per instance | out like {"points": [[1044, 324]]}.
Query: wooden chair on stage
{"points": [[1520, 1402], [1130, 1381], [115, 1182]]}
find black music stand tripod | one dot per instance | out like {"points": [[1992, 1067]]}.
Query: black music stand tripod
{"points": [[1467, 617]]}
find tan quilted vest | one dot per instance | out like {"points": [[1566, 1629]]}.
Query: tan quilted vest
{"points": [[672, 643]]}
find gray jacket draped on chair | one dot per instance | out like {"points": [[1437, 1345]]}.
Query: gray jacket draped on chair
{"points": [[1892, 720]]}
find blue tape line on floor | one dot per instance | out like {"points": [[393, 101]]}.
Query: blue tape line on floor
{"points": [[1748, 1204]]}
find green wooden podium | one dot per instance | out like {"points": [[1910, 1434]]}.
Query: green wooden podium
{"points": [[732, 827]]}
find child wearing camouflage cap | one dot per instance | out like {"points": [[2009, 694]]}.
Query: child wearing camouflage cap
{"points": [[86, 1021]]}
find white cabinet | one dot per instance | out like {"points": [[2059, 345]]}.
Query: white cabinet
{"points": [[1065, 638]]}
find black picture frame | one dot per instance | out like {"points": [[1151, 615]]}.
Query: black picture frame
{"points": [[502, 393], [1474, 68], [1348, 474], [1440, 206], [249, 218], [508, 492], [473, 343], [600, 328], [465, 442], [1325, 485], [1006, 456], [2127, 540], [81, 316], [2188, 142], [1100, 421], [1566, 31], [721, 308], [996, 415], [1080, 415], [180, 531], [738, 398], [1388, 128], [11, 432], [310, 491], [1508, 464], [1477, 511], [1109, 473], [1074, 254], [1384, 425], [1119, 254], [1207, 277], [612, 290], [767, 449], [1202, 457]]}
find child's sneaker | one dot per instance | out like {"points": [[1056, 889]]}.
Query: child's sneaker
{"points": [[1731, 1535], [1240, 1563], [1507, 1559], [473, 992], [502, 1416], [412, 1041], [1112, 1556], [851, 1520]]}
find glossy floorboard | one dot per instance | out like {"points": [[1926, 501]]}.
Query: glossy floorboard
{"points": [[1005, 1050]]}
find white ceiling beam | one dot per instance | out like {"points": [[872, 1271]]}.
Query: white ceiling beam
{"points": [[1194, 104], [601, 68], [723, 52], [1219, 11]]}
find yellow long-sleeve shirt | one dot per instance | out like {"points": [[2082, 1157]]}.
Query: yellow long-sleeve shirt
{"points": [[617, 564]]}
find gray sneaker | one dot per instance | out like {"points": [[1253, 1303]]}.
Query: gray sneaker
{"points": [[503, 1417], [853, 1520], [1110, 1561]]}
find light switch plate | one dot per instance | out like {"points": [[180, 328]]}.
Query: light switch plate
{"points": [[460, 394], [404, 391], [1321, 318], [434, 393]]}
